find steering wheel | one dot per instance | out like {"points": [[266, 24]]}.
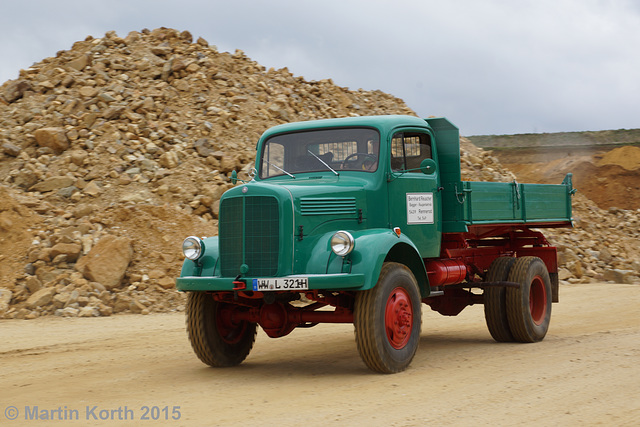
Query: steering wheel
{"points": [[365, 156]]}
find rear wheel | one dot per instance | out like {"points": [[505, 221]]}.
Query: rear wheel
{"points": [[215, 338], [529, 306], [495, 306], [387, 320]]}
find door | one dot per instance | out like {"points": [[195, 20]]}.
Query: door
{"points": [[414, 198]]}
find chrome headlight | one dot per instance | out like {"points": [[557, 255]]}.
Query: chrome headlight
{"points": [[342, 243], [193, 247]]}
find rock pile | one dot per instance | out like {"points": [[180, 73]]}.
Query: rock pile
{"points": [[115, 150], [627, 157]]}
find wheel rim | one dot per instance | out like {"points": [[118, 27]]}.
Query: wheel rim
{"points": [[230, 332], [538, 300], [398, 318]]}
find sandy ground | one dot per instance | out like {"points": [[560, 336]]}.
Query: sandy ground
{"points": [[125, 368]]}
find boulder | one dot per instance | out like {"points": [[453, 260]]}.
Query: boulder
{"points": [[204, 147], [15, 90], [79, 63], [88, 91], [83, 209], [33, 284], [41, 298], [605, 255], [11, 149], [169, 160], [52, 137], [67, 312], [112, 113], [92, 189], [52, 184], [619, 276], [167, 282], [107, 261], [575, 267], [71, 250], [122, 303], [5, 298], [89, 311], [564, 274]]}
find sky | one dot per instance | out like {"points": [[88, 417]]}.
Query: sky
{"points": [[490, 66]]}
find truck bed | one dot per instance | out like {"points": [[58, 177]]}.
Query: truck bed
{"points": [[476, 203]]}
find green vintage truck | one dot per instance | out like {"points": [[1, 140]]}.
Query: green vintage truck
{"points": [[360, 220]]}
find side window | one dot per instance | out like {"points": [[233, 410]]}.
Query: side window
{"points": [[408, 150]]}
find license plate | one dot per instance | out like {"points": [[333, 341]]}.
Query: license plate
{"points": [[281, 284]]}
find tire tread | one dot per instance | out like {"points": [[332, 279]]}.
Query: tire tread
{"points": [[518, 311], [371, 341], [495, 310], [204, 336]]}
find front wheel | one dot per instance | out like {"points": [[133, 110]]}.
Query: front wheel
{"points": [[387, 320], [529, 306], [216, 339]]}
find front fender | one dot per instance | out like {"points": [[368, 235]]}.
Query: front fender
{"points": [[208, 264], [375, 246], [372, 248]]}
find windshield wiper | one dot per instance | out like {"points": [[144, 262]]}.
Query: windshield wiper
{"points": [[323, 162], [279, 168]]}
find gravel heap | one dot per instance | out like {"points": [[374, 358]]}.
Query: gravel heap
{"points": [[115, 150]]}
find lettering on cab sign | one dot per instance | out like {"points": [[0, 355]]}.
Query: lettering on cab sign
{"points": [[419, 208]]}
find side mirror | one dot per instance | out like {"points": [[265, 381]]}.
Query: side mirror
{"points": [[234, 177], [428, 166]]}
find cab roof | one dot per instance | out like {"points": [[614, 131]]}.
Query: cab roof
{"points": [[382, 123]]}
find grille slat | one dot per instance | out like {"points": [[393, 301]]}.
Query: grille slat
{"points": [[328, 206], [257, 217]]}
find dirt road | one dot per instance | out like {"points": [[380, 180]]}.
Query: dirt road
{"points": [[123, 369]]}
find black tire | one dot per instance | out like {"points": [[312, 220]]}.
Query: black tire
{"points": [[495, 305], [387, 320], [529, 306], [215, 339]]}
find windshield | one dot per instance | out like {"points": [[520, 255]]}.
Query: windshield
{"points": [[331, 150]]}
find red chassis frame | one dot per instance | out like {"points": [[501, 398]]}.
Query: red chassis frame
{"points": [[462, 265]]}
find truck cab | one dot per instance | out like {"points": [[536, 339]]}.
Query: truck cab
{"points": [[393, 162]]}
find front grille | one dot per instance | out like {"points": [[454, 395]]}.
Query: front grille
{"points": [[249, 234]]}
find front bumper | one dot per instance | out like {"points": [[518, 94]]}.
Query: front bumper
{"points": [[333, 282]]}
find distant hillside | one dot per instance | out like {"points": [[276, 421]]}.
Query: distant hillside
{"points": [[595, 139]]}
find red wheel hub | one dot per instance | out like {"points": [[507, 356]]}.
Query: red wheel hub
{"points": [[398, 318], [538, 300], [231, 332]]}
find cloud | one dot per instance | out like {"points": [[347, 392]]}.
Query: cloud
{"points": [[491, 67]]}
